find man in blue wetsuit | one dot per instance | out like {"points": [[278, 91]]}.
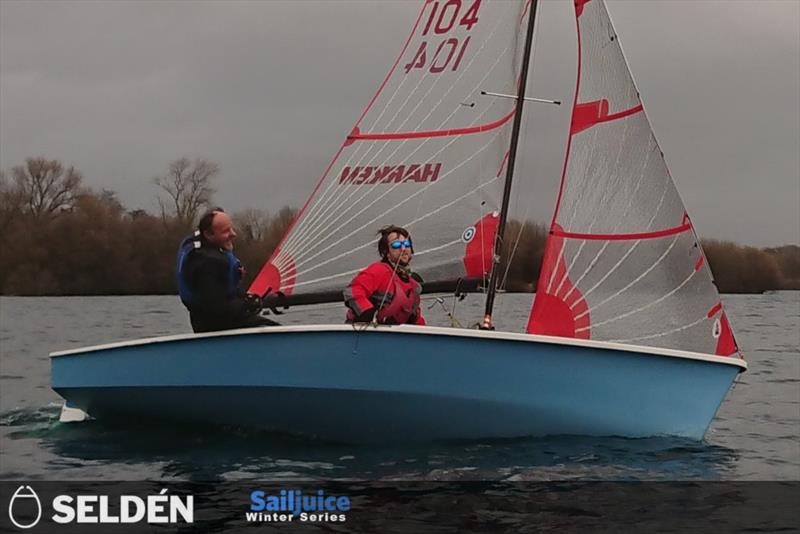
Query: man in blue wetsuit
{"points": [[209, 275]]}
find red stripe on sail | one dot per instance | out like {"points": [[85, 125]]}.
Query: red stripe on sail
{"points": [[503, 163], [574, 104], [623, 237], [355, 132], [699, 263], [588, 114], [713, 311], [525, 11], [356, 136], [623, 114], [579, 6]]}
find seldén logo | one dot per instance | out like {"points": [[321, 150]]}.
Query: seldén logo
{"points": [[289, 505], [21, 504], [25, 509]]}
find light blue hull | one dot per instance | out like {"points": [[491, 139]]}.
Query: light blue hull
{"points": [[399, 383]]}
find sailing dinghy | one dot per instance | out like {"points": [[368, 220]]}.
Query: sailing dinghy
{"points": [[627, 334]]}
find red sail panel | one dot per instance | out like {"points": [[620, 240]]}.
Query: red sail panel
{"points": [[479, 250], [579, 7], [587, 115], [272, 279], [726, 344], [561, 310]]}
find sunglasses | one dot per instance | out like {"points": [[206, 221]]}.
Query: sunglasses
{"points": [[400, 244]]}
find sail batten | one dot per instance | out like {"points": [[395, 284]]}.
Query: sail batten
{"points": [[622, 262], [433, 133], [625, 237]]}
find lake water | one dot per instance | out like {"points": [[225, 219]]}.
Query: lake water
{"points": [[755, 436]]}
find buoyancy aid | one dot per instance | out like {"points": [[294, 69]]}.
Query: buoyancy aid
{"points": [[401, 302], [191, 243], [380, 286]]}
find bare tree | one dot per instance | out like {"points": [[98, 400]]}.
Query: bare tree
{"points": [[281, 221], [10, 200], [188, 188], [45, 186], [252, 224]]}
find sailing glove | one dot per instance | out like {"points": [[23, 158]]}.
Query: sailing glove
{"points": [[365, 317], [252, 303]]}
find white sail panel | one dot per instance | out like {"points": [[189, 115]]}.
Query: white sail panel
{"points": [[622, 262], [428, 153]]}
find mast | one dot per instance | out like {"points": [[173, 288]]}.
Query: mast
{"points": [[512, 154]]}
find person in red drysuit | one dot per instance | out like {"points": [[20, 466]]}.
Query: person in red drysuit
{"points": [[386, 287]]}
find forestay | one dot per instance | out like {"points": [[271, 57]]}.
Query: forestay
{"points": [[427, 153], [622, 262]]}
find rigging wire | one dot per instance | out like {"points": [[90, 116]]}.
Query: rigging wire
{"points": [[522, 157], [527, 208], [386, 291]]}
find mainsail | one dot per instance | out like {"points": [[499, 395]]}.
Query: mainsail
{"points": [[622, 262], [427, 153]]}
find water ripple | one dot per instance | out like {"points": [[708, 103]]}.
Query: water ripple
{"points": [[754, 436]]}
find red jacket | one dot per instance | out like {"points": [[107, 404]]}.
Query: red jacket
{"points": [[379, 283]]}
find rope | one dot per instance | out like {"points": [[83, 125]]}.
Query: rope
{"points": [[386, 292]]}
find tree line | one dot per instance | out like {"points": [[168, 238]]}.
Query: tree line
{"points": [[60, 237]]}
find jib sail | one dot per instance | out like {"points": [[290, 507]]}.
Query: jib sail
{"points": [[622, 262]]}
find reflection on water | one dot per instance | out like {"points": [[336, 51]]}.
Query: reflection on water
{"points": [[203, 454], [753, 437]]}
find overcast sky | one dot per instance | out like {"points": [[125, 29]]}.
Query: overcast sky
{"points": [[268, 89]]}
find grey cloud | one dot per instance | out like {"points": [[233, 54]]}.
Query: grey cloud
{"points": [[269, 89]]}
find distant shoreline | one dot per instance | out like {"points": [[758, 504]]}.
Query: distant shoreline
{"points": [[61, 238], [79, 242]]}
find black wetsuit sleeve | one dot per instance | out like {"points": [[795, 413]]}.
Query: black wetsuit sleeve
{"points": [[212, 308], [211, 296]]}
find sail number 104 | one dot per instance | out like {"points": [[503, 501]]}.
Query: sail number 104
{"points": [[445, 52]]}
